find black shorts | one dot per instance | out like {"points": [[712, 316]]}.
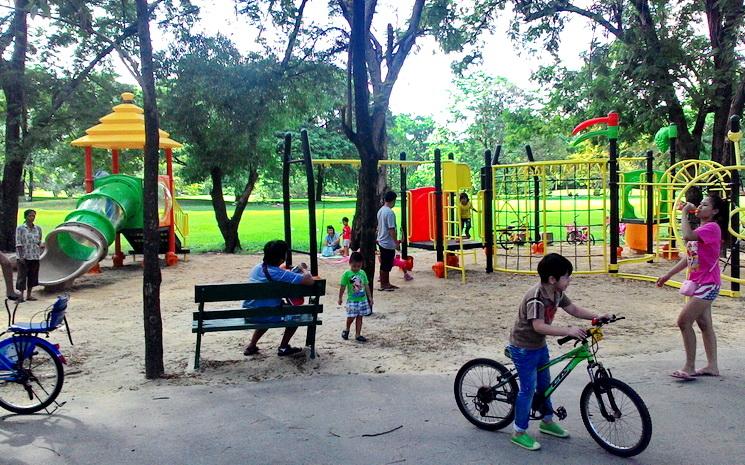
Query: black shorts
{"points": [[386, 258], [28, 274]]}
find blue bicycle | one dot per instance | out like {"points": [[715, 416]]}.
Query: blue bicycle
{"points": [[31, 373]]}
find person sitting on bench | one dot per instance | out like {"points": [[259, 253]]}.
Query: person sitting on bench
{"points": [[269, 270]]}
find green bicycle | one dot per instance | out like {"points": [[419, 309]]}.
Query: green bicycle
{"points": [[613, 413]]}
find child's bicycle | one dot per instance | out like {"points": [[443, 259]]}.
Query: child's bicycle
{"points": [[613, 413], [31, 374], [579, 234], [515, 233]]}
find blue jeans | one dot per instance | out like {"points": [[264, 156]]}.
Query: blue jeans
{"points": [[527, 362]]}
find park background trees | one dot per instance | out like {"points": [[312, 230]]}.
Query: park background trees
{"points": [[655, 62]]}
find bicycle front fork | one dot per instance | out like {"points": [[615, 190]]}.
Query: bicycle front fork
{"points": [[600, 385]]}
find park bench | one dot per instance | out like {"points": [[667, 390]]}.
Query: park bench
{"points": [[207, 320]]}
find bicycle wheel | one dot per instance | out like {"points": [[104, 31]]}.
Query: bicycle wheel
{"points": [[485, 392], [573, 237], [629, 431], [505, 241], [34, 383], [592, 239]]}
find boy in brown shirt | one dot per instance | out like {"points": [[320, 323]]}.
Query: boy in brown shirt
{"points": [[528, 344]]}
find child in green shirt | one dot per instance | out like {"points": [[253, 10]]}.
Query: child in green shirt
{"points": [[359, 298]]}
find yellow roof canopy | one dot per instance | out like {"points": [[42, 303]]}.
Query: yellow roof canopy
{"points": [[123, 129]]}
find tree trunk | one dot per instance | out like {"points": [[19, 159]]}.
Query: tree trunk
{"points": [[229, 226], [369, 136], [724, 19], [151, 278], [738, 101], [365, 217], [366, 214], [30, 183], [12, 74], [221, 211]]}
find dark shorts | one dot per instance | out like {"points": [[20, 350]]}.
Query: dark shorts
{"points": [[28, 274], [386, 258]]}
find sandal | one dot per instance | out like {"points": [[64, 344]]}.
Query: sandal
{"points": [[289, 350], [345, 335], [360, 338], [682, 375], [251, 351]]}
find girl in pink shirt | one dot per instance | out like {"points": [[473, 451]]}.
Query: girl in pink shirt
{"points": [[702, 260]]}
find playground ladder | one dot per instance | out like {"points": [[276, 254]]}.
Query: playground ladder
{"points": [[452, 233]]}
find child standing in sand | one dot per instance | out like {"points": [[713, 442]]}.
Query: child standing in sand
{"points": [[702, 259], [359, 298], [346, 236]]}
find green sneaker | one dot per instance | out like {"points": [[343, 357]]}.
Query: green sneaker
{"points": [[525, 441], [553, 429]]}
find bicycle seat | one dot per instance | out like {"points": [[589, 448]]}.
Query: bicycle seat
{"points": [[54, 318], [31, 328]]}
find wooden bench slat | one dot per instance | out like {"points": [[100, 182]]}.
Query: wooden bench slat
{"points": [[250, 291], [235, 324], [218, 314]]}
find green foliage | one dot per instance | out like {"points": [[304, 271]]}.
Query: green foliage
{"points": [[58, 166], [410, 134], [649, 60]]}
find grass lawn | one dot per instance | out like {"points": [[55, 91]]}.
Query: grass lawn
{"points": [[263, 221]]}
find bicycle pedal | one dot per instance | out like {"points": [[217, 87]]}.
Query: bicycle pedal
{"points": [[561, 413]]}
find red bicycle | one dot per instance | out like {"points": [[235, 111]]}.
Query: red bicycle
{"points": [[579, 234]]}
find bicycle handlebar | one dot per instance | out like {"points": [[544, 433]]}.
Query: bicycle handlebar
{"points": [[596, 322]]}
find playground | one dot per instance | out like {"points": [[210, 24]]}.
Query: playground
{"points": [[534, 208], [458, 322]]}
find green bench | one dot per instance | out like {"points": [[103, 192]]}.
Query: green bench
{"points": [[207, 320]]}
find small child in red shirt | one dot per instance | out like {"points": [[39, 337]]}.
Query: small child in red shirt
{"points": [[346, 237]]}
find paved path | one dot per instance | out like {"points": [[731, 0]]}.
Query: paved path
{"points": [[322, 420]]}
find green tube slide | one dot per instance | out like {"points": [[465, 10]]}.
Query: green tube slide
{"points": [[83, 239]]}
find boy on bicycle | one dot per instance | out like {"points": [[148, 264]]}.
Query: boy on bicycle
{"points": [[528, 344]]}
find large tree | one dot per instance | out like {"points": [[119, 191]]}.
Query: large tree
{"points": [[373, 68], [227, 108], [151, 277]]}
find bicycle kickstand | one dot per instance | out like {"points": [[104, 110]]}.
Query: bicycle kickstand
{"points": [[57, 405]]}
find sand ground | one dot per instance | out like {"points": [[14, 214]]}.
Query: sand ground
{"points": [[429, 326]]}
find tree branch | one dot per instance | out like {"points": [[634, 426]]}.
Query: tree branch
{"points": [[61, 95], [698, 127], [564, 6], [406, 43], [370, 6], [346, 118], [345, 11], [374, 57], [293, 35]]}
